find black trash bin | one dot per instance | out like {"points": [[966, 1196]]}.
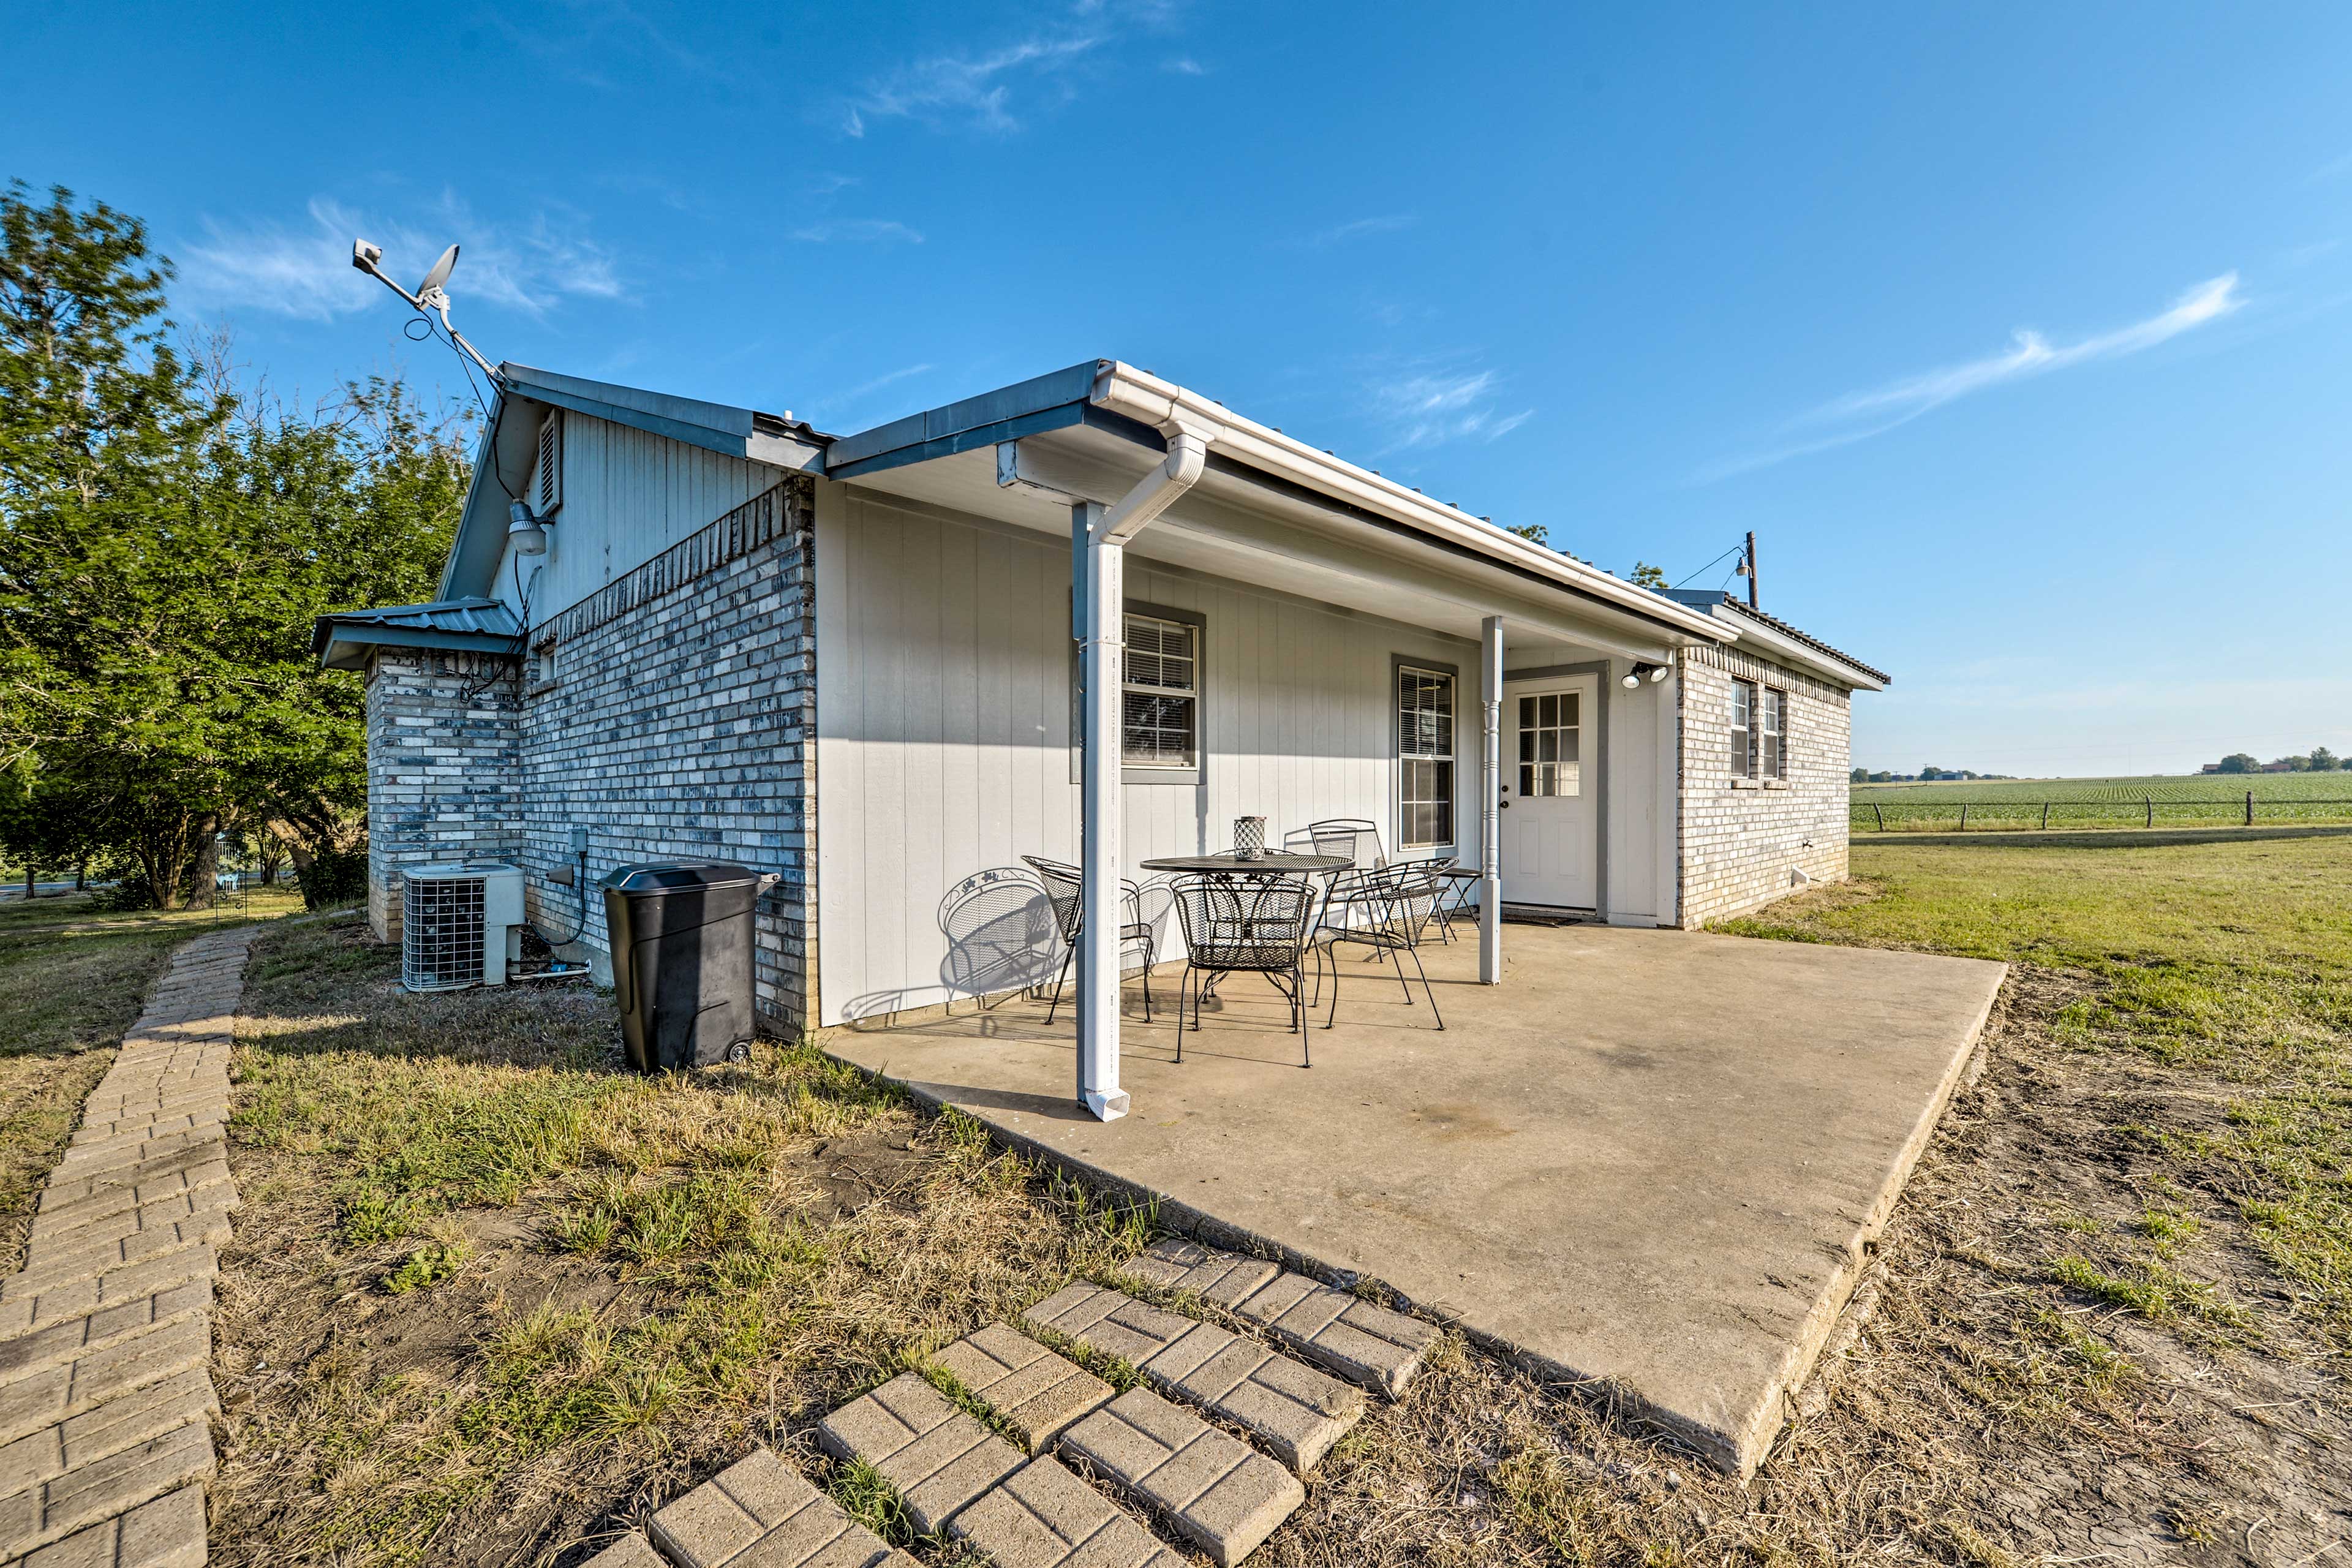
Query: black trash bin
{"points": [[681, 936]]}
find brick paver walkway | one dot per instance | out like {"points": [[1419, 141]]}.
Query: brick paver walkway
{"points": [[106, 1333]]}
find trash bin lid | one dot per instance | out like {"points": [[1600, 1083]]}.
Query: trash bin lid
{"points": [[676, 876]]}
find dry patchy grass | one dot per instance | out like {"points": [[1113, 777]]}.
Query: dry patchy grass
{"points": [[491, 1299]]}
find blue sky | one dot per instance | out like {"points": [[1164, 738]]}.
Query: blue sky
{"points": [[2020, 335]]}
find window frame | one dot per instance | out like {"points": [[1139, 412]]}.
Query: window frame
{"points": [[1741, 733], [1190, 778], [1399, 664], [1772, 725]]}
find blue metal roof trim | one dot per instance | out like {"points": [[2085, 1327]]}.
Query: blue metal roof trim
{"points": [[1038, 395], [479, 626]]}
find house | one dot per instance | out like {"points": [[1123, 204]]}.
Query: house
{"points": [[872, 663]]}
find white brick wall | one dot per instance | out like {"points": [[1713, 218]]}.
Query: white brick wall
{"points": [[1741, 846]]}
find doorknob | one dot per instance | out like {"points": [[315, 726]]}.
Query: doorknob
{"points": [[1507, 806]]}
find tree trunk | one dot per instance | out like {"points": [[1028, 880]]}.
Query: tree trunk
{"points": [[30, 893], [204, 893], [82, 875]]}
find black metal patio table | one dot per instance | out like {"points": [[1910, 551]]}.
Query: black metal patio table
{"points": [[1273, 862]]}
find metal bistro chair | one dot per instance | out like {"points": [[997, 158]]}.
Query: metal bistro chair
{"points": [[1398, 901], [1241, 924], [1352, 836], [1063, 886]]}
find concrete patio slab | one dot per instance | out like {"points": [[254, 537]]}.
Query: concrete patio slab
{"points": [[1650, 1157]]}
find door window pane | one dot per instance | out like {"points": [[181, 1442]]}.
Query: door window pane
{"points": [[1549, 730]]}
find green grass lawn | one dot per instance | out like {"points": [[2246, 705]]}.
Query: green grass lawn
{"points": [[72, 977], [2203, 800], [2229, 963]]}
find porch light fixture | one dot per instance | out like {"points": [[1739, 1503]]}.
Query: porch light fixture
{"points": [[526, 532], [1631, 679]]}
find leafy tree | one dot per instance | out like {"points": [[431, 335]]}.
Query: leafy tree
{"points": [[2238, 763], [1648, 576], [1534, 532], [2323, 761], [164, 546], [1860, 776]]}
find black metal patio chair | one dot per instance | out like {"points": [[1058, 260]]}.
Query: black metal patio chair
{"points": [[1385, 909], [1065, 887], [1240, 925]]}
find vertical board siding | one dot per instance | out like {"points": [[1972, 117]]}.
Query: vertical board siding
{"points": [[627, 497], [944, 724]]}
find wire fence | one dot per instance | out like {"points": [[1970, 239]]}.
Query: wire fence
{"points": [[2012, 814]]}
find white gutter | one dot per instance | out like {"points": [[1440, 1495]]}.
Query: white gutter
{"points": [[1099, 537], [1123, 389]]}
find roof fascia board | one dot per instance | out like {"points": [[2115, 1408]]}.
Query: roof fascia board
{"points": [[1247, 474], [334, 656], [719, 418], [480, 542], [1059, 416], [1164, 405], [1786, 650], [1006, 404]]}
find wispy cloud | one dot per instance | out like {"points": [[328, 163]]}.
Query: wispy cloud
{"points": [[1183, 65], [1859, 416], [1427, 409], [967, 90], [868, 230], [304, 270], [841, 402], [979, 88], [1362, 228]]}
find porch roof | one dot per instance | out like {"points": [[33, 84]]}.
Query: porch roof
{"points": [[1088, 431]]}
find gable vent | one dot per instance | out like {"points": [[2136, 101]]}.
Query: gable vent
{"points": [[550, 463]]}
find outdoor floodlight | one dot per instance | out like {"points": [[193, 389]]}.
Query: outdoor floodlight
{"points": [[527, 534]]}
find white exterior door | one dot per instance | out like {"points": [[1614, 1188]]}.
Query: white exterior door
{"points": [[1549, 839]]}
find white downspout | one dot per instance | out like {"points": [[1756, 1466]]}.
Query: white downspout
{"points": [[1490, 820], [1099, 537]]}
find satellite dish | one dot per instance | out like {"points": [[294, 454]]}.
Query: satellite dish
{"points": [[440, 273]]}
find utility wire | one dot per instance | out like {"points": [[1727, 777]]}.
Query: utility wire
{"points": [[1688, 575]]}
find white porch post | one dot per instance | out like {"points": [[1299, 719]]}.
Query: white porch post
{"points": [[1099, 577], [1099, 537], [1490, 776]]}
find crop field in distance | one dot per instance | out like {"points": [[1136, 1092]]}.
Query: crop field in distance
{"points": [[2213, 800]]}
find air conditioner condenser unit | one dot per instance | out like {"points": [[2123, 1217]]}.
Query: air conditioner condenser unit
{"points": [[458, 924]]}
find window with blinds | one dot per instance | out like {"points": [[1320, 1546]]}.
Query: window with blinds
{"points": [[1759, 731], [1743, 729], [1424, 758], [1551, 733], [1159, 707]]}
